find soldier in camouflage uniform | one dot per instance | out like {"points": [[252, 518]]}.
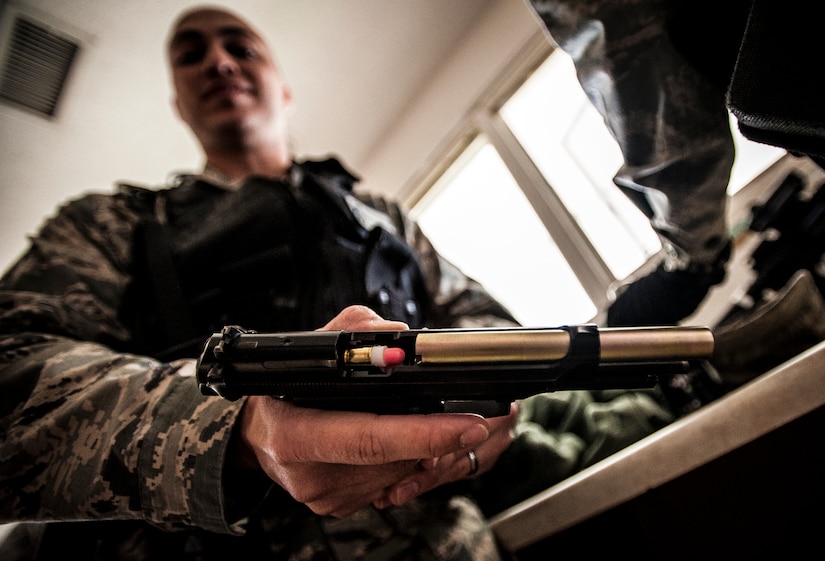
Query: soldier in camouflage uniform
{"points": [[102, 419], [657, 71], [103, 428]]}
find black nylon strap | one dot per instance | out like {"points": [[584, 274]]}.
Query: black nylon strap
{"points": [[174, 325]]}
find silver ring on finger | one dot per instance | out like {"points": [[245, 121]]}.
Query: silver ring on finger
{"points": [[471, 455]]}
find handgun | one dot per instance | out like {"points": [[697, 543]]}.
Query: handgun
{"points": [[412, 371]]}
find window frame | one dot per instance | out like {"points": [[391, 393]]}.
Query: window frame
{"points": [[594, 275], [484, 119]]}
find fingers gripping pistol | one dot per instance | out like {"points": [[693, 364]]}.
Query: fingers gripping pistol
{"points": [[442, 370]]}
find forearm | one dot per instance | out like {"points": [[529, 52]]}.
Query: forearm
{"points": [[90, 433]]}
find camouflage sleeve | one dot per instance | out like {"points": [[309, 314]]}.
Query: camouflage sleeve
{"points": [[456, 299], [88, 432], [72, 278], [637, 62]]}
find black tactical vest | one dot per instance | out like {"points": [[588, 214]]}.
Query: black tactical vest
{"points": [[270, 256]]}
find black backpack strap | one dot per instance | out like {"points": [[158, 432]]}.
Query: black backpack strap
{"points": [[173, 330], [174, 325]]}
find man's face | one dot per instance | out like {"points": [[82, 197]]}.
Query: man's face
{"points": [[225, 79]]}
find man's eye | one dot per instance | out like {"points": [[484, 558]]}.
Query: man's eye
{"points": [[185, 58], [241, 51]]}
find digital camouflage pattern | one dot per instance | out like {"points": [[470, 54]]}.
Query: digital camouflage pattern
{"points": [[91, 431]]}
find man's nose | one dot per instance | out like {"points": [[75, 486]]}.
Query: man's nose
{"points": [[220, 62]]}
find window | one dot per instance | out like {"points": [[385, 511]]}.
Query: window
{"points": [[501, 241], [565, 136], [529, 208]]}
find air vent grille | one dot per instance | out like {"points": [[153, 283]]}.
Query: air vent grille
{"points": [[36, 66]]}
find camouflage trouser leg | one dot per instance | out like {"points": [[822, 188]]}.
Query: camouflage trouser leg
{"points": [[669, 120], [433, 528], [436, 528], [421, 531]]}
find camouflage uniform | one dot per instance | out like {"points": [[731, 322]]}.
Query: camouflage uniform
{"points": [[93, 431], [95, 427], [657, 72]]}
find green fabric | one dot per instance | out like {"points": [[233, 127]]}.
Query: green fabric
{"points": [[561, 433]]}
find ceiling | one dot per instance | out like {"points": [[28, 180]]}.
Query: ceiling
{"points": [[353, 65]]}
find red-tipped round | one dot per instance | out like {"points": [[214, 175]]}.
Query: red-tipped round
{"points": [[387, 357]]}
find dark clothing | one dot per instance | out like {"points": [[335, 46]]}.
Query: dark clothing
{"points": [[660, 88]]}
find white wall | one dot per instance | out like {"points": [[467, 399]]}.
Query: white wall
{"points": [[353, 65], [405, 152]]}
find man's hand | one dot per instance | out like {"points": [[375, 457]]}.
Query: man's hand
{"points": [[337, 462]]}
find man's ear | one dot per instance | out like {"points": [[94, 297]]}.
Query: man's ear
{"points": [[288, 101], [176, 106]]}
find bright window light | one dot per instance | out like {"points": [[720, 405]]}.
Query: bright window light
{"points": [[567, 139], [479, 219]]}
